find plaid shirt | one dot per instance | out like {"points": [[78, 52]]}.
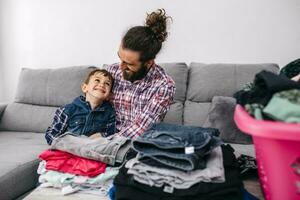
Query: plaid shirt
{"points": [[58, 125], [140, 104]]}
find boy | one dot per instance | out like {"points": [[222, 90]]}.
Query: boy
{"points": [[91, 115]]}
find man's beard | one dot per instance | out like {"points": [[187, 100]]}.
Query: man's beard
{"points": [[133, 76]]}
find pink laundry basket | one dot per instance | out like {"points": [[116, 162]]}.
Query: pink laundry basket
{"points": [[277, 147]]}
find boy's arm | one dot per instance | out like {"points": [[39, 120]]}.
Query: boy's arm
{"points": [[58, 125]]}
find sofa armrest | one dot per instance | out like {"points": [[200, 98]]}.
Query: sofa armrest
{"points": [[2, 108]]}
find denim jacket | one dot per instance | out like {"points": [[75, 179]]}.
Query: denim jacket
{"points": [[79, 119]]}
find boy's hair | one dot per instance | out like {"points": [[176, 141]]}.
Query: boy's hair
{"points": [[148, 39], [101, 71]]}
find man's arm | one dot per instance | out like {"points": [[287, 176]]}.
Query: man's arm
{"points": [[154, 111], [58, 125]]}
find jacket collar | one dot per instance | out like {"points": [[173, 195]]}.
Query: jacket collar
{"points": [[81, 102]]}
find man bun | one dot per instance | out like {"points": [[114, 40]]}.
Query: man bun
{"points": [[147, 39], [157, 22]]}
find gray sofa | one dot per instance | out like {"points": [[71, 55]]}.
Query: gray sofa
{"points": [[41, 91]]}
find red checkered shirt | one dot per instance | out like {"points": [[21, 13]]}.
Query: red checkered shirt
{"points": [[140, 104]]}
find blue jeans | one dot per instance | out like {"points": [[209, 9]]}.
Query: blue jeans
{"points": [[176, 146]]}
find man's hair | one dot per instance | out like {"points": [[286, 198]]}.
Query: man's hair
{"points": [[148, 39], [101, 71]]}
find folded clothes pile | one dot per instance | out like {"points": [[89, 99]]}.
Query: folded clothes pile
{"points": [[81, 164], [179, 162]]}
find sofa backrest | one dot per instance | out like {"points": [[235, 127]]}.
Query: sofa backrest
{"points": [[39, 93], [179, 73], [208, 80]]}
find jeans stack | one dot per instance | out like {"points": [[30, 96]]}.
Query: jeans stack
{"points": [[179, 162]]}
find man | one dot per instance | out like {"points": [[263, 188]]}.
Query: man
{"points": [[143, 92]]}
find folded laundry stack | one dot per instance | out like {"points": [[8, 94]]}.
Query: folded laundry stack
{"points": [[179, 162], [81, 164]]}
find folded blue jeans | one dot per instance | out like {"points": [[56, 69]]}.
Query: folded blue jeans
{"points": [[176, 146]]}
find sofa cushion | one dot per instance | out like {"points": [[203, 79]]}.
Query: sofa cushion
{"points": [[26, 117], [18, 162], [194, 113], [220, 116], [175, 114], [51, 87], [208, 80], [179, 73]]}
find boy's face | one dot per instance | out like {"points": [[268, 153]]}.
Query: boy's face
{"points": [[98, 87]]}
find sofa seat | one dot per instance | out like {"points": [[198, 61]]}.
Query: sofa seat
{"points": [[19, 161]]}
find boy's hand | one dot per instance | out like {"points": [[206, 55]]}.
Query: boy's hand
{"points": [[95, 135]]}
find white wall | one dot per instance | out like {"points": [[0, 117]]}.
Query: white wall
{"points": [[2, 95], [54, 33]]}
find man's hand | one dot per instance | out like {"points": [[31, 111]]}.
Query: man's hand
{"points": [[95, 135]]}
